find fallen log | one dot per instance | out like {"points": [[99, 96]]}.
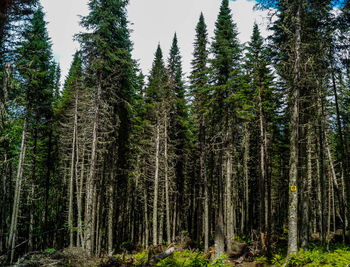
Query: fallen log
{"points": [[164, 254], [158, 257]]}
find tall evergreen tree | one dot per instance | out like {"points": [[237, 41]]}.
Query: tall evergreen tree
{"points": [[261, 98], [107, 48], [199, 90], [179, 127], [36, 69], [225, 78], [155, 98]]}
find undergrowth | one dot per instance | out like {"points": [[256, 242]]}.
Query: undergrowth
{"points": [[185, 258], [337, 255]]}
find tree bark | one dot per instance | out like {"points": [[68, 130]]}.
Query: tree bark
{"points": [[91, 177], [110, 212], [293, 172], [307, 192], [167, 201], [156, 185], [246, 159], [18, 189], [229, 215], [204, 179], [72, 168]]}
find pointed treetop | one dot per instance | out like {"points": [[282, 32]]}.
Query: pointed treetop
{"points": [[157, 78], [256, 38], [200, 54], [225, 47], [75, 71], [174, 60], [158, 54]]}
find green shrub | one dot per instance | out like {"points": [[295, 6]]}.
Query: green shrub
{"points": [[339, 256]]}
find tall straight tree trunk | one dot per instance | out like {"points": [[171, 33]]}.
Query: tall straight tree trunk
{"points": [[341, 197], [203, 171], [71, 178], [91, 177], [174, 219], [344, 162], [219, 228], [80, 194], [161, 219], [3, 202], [319, 191], [329, 206], [263, 190], [110, 212], [321, 135], [32, 193], [17, 197], [156, 185], [246, 143], [47, 239], [306, 192], [294, 142], [3, 118], [146, 230], [77, 188], [229, 213], [94, 212], [167, 201]]}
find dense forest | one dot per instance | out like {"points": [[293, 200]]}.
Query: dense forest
{"points": [[253, 145]]}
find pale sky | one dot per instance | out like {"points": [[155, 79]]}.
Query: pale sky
{"points": [[152, 22]]}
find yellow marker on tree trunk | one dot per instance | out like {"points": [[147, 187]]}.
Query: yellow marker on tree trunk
{"points": [[293, 188]]}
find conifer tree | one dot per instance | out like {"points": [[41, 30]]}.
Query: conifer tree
{"points": [[263, 102], [199, 90], [225, 78], [178, 121], [155, 96], [108, 50], [36, 68]]}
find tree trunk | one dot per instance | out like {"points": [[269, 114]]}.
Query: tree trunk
{"points": [[167, 201], [229, 215], [17, 197], [110, 212], [3, 119], [32, 193], [71, 178], [246, 159], [219, 228], [156, 182], [91, 177], [161, 219], [263, 189], [293, 172], [146, 230], [219, 236], [80, 195], [307, 191], [344, 163]]}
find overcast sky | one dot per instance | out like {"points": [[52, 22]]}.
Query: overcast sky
{"points": [[152, 22]]}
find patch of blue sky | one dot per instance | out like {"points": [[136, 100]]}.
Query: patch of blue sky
{"points": [[273, 3]]}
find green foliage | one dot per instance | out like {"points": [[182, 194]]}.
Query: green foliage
{"points": [[316, 256], [50, 250], [141, 257], [189, 258], [219, 262], [185, 258]]}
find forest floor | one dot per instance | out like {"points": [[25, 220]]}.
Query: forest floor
{"points": [[180, 255]]}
